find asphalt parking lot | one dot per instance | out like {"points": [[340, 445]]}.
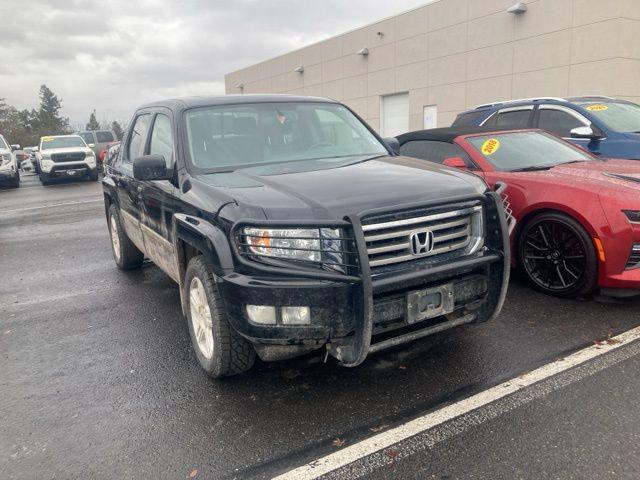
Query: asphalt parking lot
{"points": [[98, 380]]}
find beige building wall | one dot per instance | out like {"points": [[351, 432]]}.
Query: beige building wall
{"points": [[457, 54]]}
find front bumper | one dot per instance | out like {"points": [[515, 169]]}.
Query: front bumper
{"points": [[69, 170], [346, 312]]}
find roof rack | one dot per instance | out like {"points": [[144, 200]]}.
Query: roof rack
{"points": [[520, 100], [594, 96]]}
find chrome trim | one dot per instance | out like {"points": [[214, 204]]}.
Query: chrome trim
{"points": [[468, 235]]}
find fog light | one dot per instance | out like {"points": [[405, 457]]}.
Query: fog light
{"points": [[296, 316], [262, 314]]}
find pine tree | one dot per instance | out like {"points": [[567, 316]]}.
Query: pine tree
{"points": [[49, 121], [93, 122], [117, 129]]}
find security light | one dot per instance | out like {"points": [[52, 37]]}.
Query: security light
{"points": [[299, 69], [363, 51], [518, 8]]}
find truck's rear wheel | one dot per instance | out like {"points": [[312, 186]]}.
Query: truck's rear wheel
{"points": [[125, 253], [221, 350]]}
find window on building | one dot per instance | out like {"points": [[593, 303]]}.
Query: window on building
{"points": [[558, 122], [394, 114], [430, 116]]}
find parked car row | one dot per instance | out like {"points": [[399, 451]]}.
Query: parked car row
{"points": [[578, 215]]}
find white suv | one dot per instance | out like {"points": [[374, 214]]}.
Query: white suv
{"points": [[9, 172], [65, 156]]}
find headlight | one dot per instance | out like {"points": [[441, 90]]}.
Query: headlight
{"points": [[5, 159], [321, 246], [45, 156], [632, 215], [91, 153]]}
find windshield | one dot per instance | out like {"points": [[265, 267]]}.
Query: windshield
{"points": [[61, 142], [618, 116], [3, 144], [522, 150], [238, 136]]}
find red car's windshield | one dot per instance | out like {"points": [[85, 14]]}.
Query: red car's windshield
{"points": [[514, 151]]}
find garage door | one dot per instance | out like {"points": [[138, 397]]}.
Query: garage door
{"points": [[394, 114]]}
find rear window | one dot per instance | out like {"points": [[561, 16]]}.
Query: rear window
{"points": [[87, 137], [104, 137], [434, 151], [510, 119], [469, 118]]}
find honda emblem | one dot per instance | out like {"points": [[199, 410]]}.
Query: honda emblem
{"points": [[421, 242]]}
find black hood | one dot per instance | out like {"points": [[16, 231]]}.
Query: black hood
{"points": [[310, 190]]}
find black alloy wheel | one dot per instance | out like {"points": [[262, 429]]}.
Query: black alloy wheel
{"points": [[558, 256]]}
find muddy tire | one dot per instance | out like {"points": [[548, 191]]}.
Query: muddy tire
{"points": [[221, 351], [93, 175], [44, 179], [125, 253]]}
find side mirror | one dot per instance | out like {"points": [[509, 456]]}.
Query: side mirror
{"points": [[15, 147], [455, 162], [151, 167], [91, 145], [393, 144], [585, 132]]}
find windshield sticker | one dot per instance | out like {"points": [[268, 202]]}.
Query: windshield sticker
{"points": [[47, 139], [491, 146], [597, 108]]}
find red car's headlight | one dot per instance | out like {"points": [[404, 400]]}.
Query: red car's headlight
{"points": [[632, 215]]}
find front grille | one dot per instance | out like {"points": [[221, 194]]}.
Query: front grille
{"points": [[68, 157], [453, 230], [634, 258]]}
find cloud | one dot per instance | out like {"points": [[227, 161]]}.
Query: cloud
{"points": [[112, 55]]}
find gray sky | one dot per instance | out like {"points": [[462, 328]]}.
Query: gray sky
{"points": [[113, 55]]}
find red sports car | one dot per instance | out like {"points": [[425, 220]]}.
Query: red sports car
{"points": [[578, 215]]}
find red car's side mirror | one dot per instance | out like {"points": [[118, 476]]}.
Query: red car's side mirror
{"points": [[455, 162]]}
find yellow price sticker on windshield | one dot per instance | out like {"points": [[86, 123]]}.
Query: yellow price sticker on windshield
{"points": [[47, 139], [490, 146], [597, 108]]}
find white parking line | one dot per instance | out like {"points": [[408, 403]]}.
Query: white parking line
{"points": [[386, 439], [63, 204]]}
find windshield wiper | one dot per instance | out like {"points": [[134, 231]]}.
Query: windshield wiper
{"points": [[533, 168]]}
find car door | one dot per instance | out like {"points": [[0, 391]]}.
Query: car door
{"points": [[157, 198], [129, 189], [560, 120]]}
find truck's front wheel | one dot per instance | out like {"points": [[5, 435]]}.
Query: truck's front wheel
{"points": [[221, 350]]}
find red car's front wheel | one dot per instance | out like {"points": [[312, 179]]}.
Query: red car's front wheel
{"points": [[558, 256]]}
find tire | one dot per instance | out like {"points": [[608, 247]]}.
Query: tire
{"points": [[125, 253], [93, 175], [221, 350], [15, 182], [557, 256], [44, 179]]}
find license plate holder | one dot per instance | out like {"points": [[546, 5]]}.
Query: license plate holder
{"points": [[430, 303]]}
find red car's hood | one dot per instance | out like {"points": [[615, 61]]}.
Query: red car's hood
{"points": [[609, 173]]}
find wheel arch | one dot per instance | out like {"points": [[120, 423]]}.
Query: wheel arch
{"points": [[535, 210], [194, 236]]}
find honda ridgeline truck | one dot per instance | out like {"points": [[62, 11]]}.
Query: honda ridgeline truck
{"points": [[290, 225]]}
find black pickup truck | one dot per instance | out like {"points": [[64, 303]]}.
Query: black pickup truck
{"points": [[290, 225]]}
